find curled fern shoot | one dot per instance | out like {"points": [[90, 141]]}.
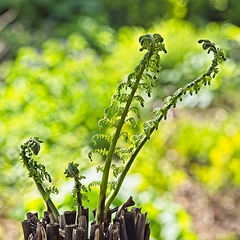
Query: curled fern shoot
{"points": [[171, 101], [38, 172], [79, 189], [117, 116]]}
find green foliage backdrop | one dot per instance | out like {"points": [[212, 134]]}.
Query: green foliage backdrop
{"points": [[58, 84]]}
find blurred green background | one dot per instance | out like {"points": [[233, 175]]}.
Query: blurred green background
{"points": [[60, 63]]}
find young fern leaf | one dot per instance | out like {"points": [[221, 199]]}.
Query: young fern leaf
{"points": [[135, 110], [116, 170], [101, 151], [139, 99], [136, 140], [112, 185], [124, 135], [132, 122], [120, 97], [79, 189], [147, 127], [144, 72], [38, 172], [50, 190], [106, 137], [93, 184], [160, 113], [108, 122], [113, 111], [124, 153]]}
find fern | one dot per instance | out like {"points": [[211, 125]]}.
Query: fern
{"points": [[38, 172], [171, 101], [124, 153], [94, 184], [107, 137], [102, 151], [79, 189], [117, 116], [116, 170], [124, 110]]}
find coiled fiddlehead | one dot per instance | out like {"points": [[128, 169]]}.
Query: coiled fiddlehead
{"points": [[34, 145], [38, 171]]}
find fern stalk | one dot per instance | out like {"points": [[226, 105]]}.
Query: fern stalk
{"points": [[162, 112], [78, 191], [50, 205], [101, 209], [38, 173]]}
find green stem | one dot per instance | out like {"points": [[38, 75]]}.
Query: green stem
{"points": [[79, 198], [114, 193], [101, 210], [48, 202]]}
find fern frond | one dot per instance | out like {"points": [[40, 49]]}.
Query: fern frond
{"points": [[107, 122], [153, 44], [147, 126], [124, 135], [136, 140], [139, 99], [112, 185], [135, 110], [121, 86], [132, 122], [99, 168], [116, 170], [38, 172], [49, 191], [160, 113], [101, 151], [113, 111], [121, 97], [94, 184], [124, 153], [107, 137], [131, 79]]}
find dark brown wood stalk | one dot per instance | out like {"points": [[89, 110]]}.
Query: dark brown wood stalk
{"points": [[34, 220], [27, 230], [97, 234], [140, 226], [69, 231], [45, 217], [83, 223], [70, 217], [62, 221], [30, 215], [123, 231], [130, 224], [136, 210], [84, 212], [94, 227], [41, 230], [127, 204], [113, 234], [79, 233], [113, 231], [147, 231], [52, 218], [53, 231]]}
